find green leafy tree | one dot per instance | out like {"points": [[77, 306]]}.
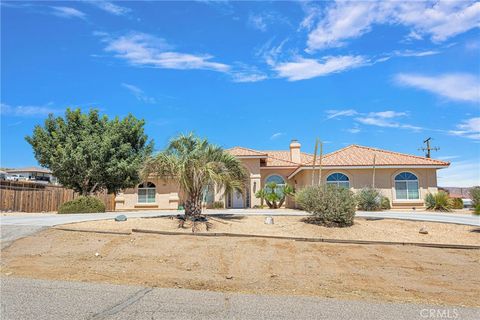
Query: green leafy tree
{"points": [[194, 164], [88, 152], [274, 195]]}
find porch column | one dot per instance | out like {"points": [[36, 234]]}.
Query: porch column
{"points": [[255, 185]]}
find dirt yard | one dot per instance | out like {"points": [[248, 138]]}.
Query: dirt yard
{"points": [[267, 266], [381, 230]]}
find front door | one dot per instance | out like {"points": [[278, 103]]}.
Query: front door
{"points": [[237, 200]]}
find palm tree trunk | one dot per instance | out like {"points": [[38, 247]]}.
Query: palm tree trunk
{"points": [[193, 207]]}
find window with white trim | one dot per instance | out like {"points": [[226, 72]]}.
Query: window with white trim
{"points": [[146, 193], [338, 179], [275, 178], [406, 186]]}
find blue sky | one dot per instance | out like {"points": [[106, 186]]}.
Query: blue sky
{"points": [[255, 74]]}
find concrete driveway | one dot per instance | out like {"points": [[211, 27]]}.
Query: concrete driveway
{"points": [[31, 299]]}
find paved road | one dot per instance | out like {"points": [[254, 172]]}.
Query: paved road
{"points": [[40, 299]]}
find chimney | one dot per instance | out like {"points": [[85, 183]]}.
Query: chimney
{"points": [[295, 151]]}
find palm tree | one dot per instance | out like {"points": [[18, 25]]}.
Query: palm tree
{"points": [[195, 164]]}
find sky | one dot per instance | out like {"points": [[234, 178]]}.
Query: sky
{"points": [[253, 74]]}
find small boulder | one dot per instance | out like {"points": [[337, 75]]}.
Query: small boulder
{"points": [[423, 230], [121, 218], [269, 220], [229, 277]]}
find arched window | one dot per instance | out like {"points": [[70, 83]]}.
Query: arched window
{"points": [[406, 186], [275, 178], [338, 179], [146, 193]]}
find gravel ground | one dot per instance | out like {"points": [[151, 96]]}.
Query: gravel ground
{"points": [[363, 229]]}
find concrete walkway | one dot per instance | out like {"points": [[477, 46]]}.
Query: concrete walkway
{"points": [[50, 219], [31, 299]]}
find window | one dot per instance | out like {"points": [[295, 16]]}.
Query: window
{"points": [[146, 193], [406, 186], [275, 178], [338, 179]]}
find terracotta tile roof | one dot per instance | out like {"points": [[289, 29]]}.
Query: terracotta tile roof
{"points": [[245, 152], [355, 155]]}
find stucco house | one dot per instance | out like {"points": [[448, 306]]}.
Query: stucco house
{"points": [[405, 179]]}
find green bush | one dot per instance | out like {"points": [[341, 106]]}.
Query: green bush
{"points": [[438, 201], [330, 205], [477, 210], [82, 205], [385, 203], [369, 199], [218, 205], [475, 196], [457, 203]]}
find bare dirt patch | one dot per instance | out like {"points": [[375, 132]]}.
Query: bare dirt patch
{"points": [[363, 229], [267, 266]]}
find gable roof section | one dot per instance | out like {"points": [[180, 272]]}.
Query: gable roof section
{"points": [[246, 152], [355, 155]]}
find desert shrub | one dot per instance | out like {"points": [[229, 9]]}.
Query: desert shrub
{"points": [[385, 203], [477, 210], [438, 201], [218, 205], [457, 203], [329, 205], [86, 204], [475, 196], [369, 199]]}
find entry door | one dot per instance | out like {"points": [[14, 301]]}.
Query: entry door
{"points": [[237, 200]]}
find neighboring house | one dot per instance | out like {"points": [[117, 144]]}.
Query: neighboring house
{"points": [[405, 179], [35, 174]]}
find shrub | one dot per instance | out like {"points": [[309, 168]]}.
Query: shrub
{"points": [[218, 205], [330, 205], [438, 201], [82, 205], [475, 196], [477, 210], [274, 195], [385, 203], [457, 203], [369, 199]]}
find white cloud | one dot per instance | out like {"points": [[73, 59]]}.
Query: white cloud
{"points": [[276, 135], [354, 130], [110, 7], [142, 49], [455, 86], [340, 113], [387, 119], [257, 21], [469, 129], [440, 20], [26, 111], [243, 76], [460, 174], [302, 68], [138, 93], [68, 12], [387, 114], [411, 53]]}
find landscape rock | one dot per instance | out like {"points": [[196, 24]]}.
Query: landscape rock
{"points": [[423, 230], [269, 220], [121, 218]]}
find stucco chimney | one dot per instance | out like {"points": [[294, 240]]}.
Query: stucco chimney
{"points": [[295, 151]]}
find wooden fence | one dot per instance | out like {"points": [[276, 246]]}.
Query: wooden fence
{"points": [[33, 197]]}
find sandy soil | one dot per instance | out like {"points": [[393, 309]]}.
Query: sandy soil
{"points": [[267, 266], [382, 230]]}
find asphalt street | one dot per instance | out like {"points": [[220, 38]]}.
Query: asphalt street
{"points": [[31, 299]]}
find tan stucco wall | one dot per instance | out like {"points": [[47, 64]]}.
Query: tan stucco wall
{"points": [[167, 196], [384, 181]]}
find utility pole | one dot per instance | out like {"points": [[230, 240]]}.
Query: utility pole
{"points": [[320, 164], [374, 163], [314, 161], [428, 149]]}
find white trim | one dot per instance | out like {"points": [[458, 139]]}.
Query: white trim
{"points": [[368, 167], [406, 185]]}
